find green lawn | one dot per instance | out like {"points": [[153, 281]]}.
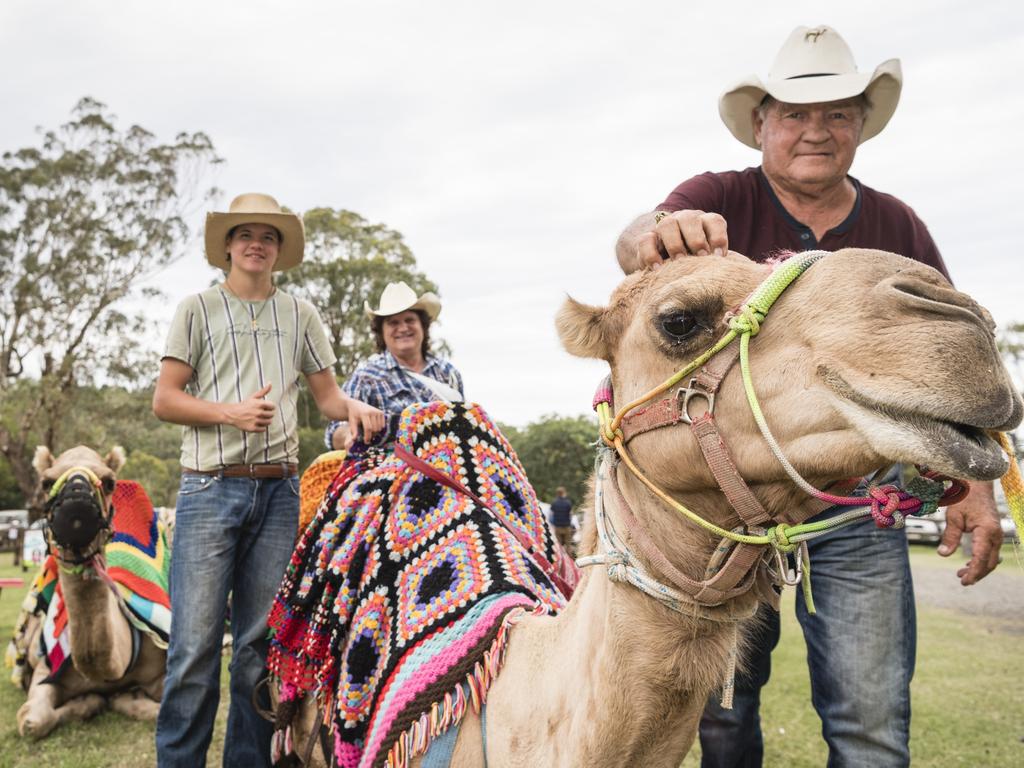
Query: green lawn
{"points": [[968, 702], [108, 741]]}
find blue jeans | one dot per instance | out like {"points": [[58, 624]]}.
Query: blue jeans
{"points": [[232, 535], [861, 646]]}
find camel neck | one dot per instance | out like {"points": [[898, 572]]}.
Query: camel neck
{"points": [[640, 675]]}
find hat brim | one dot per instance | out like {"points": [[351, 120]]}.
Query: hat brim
{"points": [[428, 302], [882, 88], [293, 238]]}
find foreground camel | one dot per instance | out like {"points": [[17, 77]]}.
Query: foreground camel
{"points": [[868, 358], [106, 668]]}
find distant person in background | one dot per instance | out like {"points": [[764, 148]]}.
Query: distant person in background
{"points": [[15, 535], [561, 519], [403, 371]]}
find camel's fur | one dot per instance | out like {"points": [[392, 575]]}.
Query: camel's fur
{"points": [[101, 641], [856, 362]]}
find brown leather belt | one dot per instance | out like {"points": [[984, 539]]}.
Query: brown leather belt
{"points": [[255, 471]]}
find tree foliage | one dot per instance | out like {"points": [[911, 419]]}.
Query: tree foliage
{"points": [[556, 451], [84, 218], [348, 261], [1010, 340]]}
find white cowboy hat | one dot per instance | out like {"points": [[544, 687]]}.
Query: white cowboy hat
{"points": [[814, 65], [255, 208], [398, 297]]}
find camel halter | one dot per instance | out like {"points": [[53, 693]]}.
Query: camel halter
{"points": [[90, 549], [888, 505]]}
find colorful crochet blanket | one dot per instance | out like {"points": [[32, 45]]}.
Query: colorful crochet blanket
{"points": [[397, 600], [138, 563]]}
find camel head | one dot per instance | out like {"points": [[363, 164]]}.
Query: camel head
{"points": [[866, 359], [79, 485]]}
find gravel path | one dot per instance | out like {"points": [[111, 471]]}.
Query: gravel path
{"points": [[999, 596]]}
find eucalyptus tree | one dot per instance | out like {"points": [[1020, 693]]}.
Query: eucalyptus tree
{"points": [[86, 216]]}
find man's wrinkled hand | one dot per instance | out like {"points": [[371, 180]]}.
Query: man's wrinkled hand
{"points": [[977, 516], [683, 233]]}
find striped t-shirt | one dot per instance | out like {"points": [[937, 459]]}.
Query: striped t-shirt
{"points": [[235, 347]]}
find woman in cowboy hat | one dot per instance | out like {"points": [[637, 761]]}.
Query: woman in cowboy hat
{"points": [[807, 120], [230, 375], [403, 371]]}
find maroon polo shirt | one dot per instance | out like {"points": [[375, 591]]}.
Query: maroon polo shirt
{"points": [[760, 226]]}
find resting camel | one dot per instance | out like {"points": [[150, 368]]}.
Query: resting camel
{"points": [[112, 662], [867, 359]]}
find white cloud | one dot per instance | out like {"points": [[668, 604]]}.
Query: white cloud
{"points": [[511, 143]]}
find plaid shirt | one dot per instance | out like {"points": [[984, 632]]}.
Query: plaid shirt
{"points": [[383, 383]]}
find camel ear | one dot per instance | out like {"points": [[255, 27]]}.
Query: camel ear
{"points": [[115, 459], [42, 460], [582, 330]]}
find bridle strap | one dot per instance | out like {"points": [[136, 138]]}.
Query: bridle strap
{"points": [[733, 579], [676, 408]]}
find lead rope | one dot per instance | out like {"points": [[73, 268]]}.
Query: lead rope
{"points": [[623, 567]]}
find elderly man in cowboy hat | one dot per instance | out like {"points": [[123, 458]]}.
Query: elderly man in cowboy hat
{"points": [[404, 370], [230, 376], [807, 120]]}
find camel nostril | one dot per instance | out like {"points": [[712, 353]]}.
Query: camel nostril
{"points": [[938, 299]]}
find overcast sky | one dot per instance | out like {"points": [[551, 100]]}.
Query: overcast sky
{"points": [[510, 143]]}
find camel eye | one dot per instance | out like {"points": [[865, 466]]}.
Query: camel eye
{"points": [[108, 484], [47, 483], [680, 326]]}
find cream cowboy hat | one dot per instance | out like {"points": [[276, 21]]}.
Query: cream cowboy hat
{"points": [[255, 208], [814, 65], [398, 297]]}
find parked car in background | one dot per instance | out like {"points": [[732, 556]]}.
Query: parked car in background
{"points": [[34, 547], [1010, 532], [925, 530]]}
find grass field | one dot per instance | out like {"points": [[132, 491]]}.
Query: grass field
{"points": [[967, 699]]}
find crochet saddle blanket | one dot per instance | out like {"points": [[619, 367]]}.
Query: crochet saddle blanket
{"points": [[137, 560], [396, 606]]}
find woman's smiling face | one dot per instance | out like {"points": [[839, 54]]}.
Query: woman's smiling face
{"points": [[403, 334]]}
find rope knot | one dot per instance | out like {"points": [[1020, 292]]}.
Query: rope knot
{"points": [[885, 506], [747, 320], [779, 538], [616, 562]]}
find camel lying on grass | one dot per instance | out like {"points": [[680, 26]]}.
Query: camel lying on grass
{"points": [[116, 658]]}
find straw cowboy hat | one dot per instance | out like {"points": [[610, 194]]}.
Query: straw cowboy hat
{"points": [[255, 208], [814, 65], [398, 297]]}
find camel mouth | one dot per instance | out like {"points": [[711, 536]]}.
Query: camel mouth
{"points": [[954, 448]]}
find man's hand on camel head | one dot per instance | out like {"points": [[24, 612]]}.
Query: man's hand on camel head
{"points": [[253, 414], [683, 233]]}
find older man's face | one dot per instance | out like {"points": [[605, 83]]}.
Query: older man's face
{"points": [[809, 146]]}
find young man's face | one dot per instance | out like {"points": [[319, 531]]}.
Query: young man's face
{"points": [[253, 248]]}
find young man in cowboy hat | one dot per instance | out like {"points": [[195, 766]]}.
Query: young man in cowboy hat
{"points": [[230, 376], [808, 120]]}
